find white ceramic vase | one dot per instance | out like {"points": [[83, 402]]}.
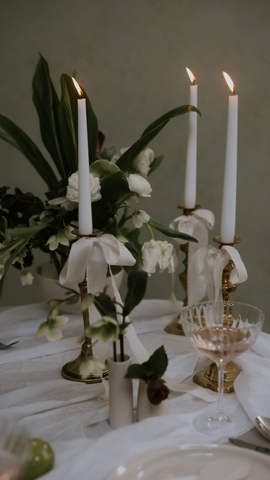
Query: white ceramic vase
{"points": [[145, 408], [47, 281], [121, 393]]}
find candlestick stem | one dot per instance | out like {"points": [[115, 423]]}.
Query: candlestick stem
{"points": [[174, 327], [71, 370]]}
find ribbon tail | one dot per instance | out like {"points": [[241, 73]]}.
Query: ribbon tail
{"points": [[173, 300]]}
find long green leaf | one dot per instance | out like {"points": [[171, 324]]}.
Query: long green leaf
{"points": [[170, 232], [137, 282], [30, 150], [47, 104], [67, 127], [10, 140], [23, 232], [125, 161]]}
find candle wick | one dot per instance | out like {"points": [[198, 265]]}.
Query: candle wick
{"points": [[194, 81], [234, 90]]}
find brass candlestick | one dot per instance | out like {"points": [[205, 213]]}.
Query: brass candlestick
{"points": [[174, 327], [208, 378], [71, 370]]}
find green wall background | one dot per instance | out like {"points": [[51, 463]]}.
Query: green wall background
{"points": [[131, 59]]}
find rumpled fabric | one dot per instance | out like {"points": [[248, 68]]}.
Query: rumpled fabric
{"points": [[209, 263], [197, 225], [69, 415], [94, 254]]}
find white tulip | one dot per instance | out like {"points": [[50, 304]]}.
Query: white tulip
{"points": [[150, 256], [139, 218], [73, 188], [166, 256], [142, 162], [157, 253], [140, 185]]}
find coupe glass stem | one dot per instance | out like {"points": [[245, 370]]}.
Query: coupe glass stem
{"points": [[220, 402]]}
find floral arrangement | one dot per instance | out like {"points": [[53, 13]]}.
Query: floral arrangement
{"points": [[27, 222], [107, 328], [151, 373]]}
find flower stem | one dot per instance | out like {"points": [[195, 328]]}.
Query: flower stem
{"points": [[150, 230], [122, 356], [114, 352]]}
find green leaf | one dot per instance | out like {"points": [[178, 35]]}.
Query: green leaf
{"points": [[47, 104], [92, 127], [155, 164], [21, 244], [170, 232], [67, 113], [30, 151], [137, 282], [135, 371], [125, 161], [106, 304], [9, 139], [24, 232], [157, 363]]}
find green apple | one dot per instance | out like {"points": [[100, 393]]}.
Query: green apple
{"points": [[40, 461]]}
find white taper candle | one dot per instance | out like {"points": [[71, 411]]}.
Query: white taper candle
{"points": [[191, 161], [228, 214]]}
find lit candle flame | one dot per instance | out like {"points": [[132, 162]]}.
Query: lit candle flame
{"points": [[77, 86], [229, 82], [191, 76]]}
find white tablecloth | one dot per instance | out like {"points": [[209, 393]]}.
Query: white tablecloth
{"points": [[69, 415]]}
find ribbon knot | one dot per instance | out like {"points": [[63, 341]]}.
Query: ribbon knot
{"points": [[94, 254], [209, 263], [196, 225]]}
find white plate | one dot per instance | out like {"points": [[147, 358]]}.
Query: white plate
{"points": [[184, 462]]}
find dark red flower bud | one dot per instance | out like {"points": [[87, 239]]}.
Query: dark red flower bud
{"points": [[101, 138], [157, 392]]}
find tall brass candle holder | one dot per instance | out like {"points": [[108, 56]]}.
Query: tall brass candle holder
{"points": [[208, 378], [174, 327], [71, 370]]}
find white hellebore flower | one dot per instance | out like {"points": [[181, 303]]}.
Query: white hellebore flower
{"points": [[139, 218], [73, 188], [26, 278], [64, 202], [91, 365], [63, 237], [51, 329], [140, 185], [157, 253]]}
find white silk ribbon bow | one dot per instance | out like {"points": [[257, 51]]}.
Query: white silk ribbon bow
{"points": [[94, 254], [209, 263], [196, 225]]}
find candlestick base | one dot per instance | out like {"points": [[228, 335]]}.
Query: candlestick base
{"points": [[174, 327], [71, 370], [208, 378]]}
